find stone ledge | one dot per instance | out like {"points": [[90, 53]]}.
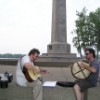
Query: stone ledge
{"points": [[93, 93], [14, 92], [44, 61]]}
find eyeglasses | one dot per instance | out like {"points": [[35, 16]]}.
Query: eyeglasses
{"points": [[87, 53]]}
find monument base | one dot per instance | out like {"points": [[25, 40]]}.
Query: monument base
{"points": [[58, 47], [65, 55], [54, 60]]}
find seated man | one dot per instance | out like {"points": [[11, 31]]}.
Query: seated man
{"points": [[27, 62], [82, 85]]}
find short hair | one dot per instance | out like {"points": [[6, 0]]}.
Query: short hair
{"points": [[33, 51], [91, 50]]}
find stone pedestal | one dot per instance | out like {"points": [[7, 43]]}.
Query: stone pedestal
{"points": [[58, 48]]}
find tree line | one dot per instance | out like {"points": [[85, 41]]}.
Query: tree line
{"points": [[9, 55], [87, 32]]}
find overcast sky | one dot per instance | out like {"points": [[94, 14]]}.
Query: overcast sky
{"points": [[25, 24]]}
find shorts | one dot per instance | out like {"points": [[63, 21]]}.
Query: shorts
{"points": [[84, 84]]}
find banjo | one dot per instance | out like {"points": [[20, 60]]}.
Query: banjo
{"points": [[79, 72]]}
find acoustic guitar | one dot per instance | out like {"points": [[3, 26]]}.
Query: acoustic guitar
{"points": [[30, 75], [79, 72]]}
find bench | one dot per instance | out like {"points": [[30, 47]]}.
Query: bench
{"points": [[14, 92]]}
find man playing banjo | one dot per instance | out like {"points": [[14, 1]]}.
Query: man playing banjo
{"points": [[81, 85]]}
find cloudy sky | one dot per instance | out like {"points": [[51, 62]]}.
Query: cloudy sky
{"points": [[25, 24]]}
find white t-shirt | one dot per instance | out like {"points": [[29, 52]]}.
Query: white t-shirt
{"points": [[20, 78]]}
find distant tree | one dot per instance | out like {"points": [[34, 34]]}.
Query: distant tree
{"points": [[95, 20], [87, 32]]}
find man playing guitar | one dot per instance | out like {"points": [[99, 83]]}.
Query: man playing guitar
{"points": [[25, 66]]}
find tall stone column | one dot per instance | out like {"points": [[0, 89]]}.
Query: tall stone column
{"points": [[58, 45], [58, 51]]}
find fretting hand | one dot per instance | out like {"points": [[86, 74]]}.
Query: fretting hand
{"points": [[36, 70]]}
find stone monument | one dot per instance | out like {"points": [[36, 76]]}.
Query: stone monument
{"points": [[58, 50], [59, 46]]}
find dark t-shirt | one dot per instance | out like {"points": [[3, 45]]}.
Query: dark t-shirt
{"points": [[94, 76]]}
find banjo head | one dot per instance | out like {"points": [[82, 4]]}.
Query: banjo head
{"points": [[79, 72]]}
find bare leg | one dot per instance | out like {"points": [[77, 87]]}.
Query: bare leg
{"points": [[77, 92]]}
